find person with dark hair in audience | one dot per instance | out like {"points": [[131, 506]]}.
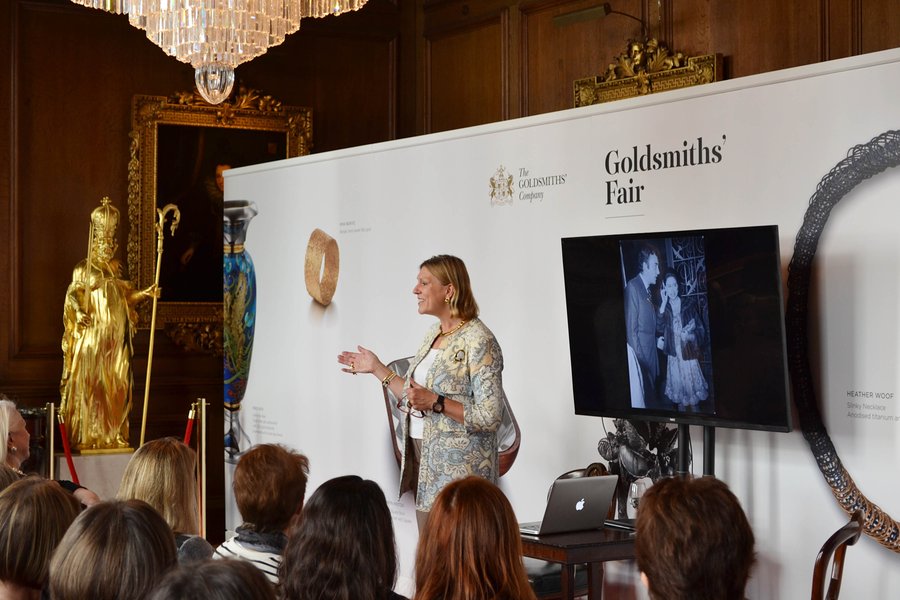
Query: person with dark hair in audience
{"points": [[470, 547], [693, 541], [214, 580], [342, 546], [163, 473], [113, 550], [34, 515], [269, 488]]}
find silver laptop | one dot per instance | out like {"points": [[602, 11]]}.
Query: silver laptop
{"points": [[575, 504]]}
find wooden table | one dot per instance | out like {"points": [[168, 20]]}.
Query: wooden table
{"points": [[570, 549]]}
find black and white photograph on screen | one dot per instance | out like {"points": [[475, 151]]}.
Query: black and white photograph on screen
{"points": [[667, 324]]}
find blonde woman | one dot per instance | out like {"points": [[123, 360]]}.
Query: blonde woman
{"points": [[453, 391], [162, 473]]}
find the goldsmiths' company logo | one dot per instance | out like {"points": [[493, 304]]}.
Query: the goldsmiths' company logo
{"points": [[501, 188], [527, 186]]}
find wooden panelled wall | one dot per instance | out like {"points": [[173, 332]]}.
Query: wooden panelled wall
{"points": [[396, 68], [488, 60]]}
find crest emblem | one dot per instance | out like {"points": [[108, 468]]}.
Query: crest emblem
{"points": [[501, 188]]}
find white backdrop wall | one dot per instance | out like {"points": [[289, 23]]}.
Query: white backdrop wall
{"points": [[391, 205]]}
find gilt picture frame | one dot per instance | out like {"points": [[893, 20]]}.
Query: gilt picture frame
{"points": [[646, 68], [178, 146]]}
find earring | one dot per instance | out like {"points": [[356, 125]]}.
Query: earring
{"points": [[447, 300], [13, 449]]}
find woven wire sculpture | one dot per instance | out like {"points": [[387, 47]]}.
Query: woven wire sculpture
{"points": [[861, 163]]}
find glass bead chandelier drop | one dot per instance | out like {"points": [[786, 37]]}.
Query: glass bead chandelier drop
{"points": [[215, 36], [323, 8]]}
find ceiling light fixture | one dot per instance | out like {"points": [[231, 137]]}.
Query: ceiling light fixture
{"points": [[215, 36]]}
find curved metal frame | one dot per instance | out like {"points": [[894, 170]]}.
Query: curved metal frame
{"points": [[862, 162]]}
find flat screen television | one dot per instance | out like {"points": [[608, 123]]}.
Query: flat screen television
{"points": [[680, 326]]}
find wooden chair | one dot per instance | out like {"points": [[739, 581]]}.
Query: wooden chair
{"points": [[835, 546]]}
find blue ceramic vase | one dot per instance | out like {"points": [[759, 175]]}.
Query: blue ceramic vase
{"points": [[239, 316]]}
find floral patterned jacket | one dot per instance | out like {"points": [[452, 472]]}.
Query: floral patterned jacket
{"points": [[467, 370]]}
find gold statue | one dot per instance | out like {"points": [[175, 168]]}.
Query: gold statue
{"points": [[99, 318]]}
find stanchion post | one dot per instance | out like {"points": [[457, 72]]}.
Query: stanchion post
{"points": [[48, 426], [202, 402]]}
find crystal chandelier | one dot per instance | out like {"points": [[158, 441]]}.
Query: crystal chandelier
{"points": [[323, 8], [215, 36]]}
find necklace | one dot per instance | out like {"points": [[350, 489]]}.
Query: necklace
{"points": [[454, 330]]}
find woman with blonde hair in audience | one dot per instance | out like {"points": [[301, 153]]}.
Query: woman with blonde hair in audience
{"points": [[214, 580], [34, 515], [342, 546], [269, 488], [470, 548], [163, 473], [113, 551]]}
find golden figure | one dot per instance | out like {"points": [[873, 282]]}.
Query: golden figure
{"points": [[99, 319]]}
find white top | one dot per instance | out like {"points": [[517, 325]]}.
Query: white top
{"points": [[416, 425], [267, 562]]}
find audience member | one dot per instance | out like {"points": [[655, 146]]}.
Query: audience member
{"points": [[163, 473], [34, 515], [342, 546], [17, 449], [214, 580], [113, 550], [470, 547], [8, 476], [269, 488], [693, 541]]}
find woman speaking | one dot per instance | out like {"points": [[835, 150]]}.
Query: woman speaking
{"points": [[452, 392]]}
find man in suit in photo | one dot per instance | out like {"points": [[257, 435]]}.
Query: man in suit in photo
{"points": [[640, 323]]}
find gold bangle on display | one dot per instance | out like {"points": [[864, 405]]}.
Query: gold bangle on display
{"points": [[321, 246]]}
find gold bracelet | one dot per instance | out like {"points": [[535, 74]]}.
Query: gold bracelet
{"points": [[321, 280], [388, 379]]}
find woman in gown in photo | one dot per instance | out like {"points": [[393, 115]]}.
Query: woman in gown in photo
{"points": [[683, 336]]}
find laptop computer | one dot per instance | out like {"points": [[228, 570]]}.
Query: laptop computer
{"points": [[575, 504]]}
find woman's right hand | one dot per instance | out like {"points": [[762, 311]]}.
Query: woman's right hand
{"points": [[362, 361]]}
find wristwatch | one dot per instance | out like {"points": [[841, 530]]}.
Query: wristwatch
{"points": [[438, 407]]}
